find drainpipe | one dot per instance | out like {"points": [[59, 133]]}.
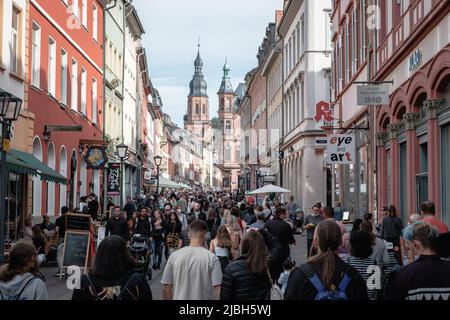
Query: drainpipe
{"points": [[106, 9]]}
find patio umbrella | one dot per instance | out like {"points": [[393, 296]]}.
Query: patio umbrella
{"points": [[270, 188]]}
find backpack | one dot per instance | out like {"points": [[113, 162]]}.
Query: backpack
{"points": [[275, 293], [323, 293], [98, 296]]}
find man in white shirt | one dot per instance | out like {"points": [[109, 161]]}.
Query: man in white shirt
{"points": [[193, 272]]}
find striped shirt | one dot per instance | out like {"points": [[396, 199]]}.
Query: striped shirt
{"points": [[364, 268]]}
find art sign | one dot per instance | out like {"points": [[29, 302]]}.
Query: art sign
{"points": [[341, 149]]}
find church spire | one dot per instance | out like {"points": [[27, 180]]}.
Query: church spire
{"points": [[226, 86], [198, 84]]}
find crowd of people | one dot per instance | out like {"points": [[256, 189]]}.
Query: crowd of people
{"points": [[216, 245]]}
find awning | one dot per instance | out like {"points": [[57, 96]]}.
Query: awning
{"points": [[185, 186], [166, 183], [24, 163]]}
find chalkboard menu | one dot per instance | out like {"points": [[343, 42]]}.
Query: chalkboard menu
{"points": [[78, 222], [76, 249]]}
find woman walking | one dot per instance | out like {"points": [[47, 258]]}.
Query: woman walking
{"points": [[248, 277], [112, 276], [391, 231], [172, 234], [326, 276], [235, 234], [221, 246], [157, 235]]}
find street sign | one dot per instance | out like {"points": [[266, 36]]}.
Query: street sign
{"points": [[372, 95], [113, 177], [321, 142], [341, 149]]}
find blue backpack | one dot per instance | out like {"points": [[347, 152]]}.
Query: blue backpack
{"points": [[323, 293]]}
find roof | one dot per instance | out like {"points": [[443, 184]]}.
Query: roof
{"points": [[134, 21]]}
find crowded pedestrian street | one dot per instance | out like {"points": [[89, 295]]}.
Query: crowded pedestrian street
{"points": [[220, 152]]}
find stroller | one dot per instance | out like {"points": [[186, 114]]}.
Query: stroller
{"points": [[141, 254]]}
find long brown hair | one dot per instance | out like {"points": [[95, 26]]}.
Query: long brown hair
{"points": [[254, 248], [20, 256], [223, 237], [329, 238]]}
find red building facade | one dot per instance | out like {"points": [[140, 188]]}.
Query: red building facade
{"points": [[65, 47]]}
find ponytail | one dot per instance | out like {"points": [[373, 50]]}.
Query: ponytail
{"points": [[328, 262]]}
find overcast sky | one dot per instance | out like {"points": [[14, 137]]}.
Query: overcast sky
{"points": [[227, 28]]}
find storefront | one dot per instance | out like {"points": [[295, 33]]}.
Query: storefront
{"points": [[414, 141], [21, 166]]}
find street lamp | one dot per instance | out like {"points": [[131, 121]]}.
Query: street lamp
{"points": [[157, 160], [9, 111], [122, 153]]}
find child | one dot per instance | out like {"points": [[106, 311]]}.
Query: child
{"points": [[288, 265]]}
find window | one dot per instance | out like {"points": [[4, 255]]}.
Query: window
{"points": [[94, 22], [303, 31], [84, 13], [94, 101], [51, 66], [227, 105], [15, 26], [228, 153], [74, 85], [75, 9], [298, 41], [204, 109], [354, 43], [197, 108], [228, 127], [63, 77], [36, 56], [445, 161], [83, 91], [403, 182], [362, 24], [347, 52]]}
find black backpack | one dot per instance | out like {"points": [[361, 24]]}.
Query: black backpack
{"points": [[122, 290]]}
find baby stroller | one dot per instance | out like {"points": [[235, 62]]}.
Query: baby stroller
{"points": [[141, 254]]}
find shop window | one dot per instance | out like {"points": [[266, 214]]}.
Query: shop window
{"points": [[403, 182], [445, 160], [422, 177]]}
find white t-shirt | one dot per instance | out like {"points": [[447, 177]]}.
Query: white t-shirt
{"points": [[193, 272]]}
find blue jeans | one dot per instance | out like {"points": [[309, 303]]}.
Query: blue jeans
{"points": [[157, 251]]}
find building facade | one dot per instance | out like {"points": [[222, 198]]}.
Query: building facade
{"points": [[413, 130], [66, 75], [304, 29], [228, 139]]}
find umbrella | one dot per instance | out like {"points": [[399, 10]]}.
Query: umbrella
{"points": [[270, 188]]}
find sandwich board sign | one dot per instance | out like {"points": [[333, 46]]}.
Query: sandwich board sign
{"points": [[341, 149]]}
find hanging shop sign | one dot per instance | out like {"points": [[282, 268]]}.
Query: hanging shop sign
{"points": [[113, 179], [341, 149], [324, 112], [372, 95], [96, 157]]}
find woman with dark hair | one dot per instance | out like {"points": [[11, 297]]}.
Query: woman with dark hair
{"points": [[112, 276], [247, 278], [356, 225], [391, 231], [172, 233], [40, 242], [157, 236], [17, 278], [361, 258], [326, 276]]}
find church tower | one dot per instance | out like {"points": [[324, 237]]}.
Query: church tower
{"points": [[197, 122], [229, 125]]}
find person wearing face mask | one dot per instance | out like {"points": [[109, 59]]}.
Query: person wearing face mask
{"points": [[311, 221]]}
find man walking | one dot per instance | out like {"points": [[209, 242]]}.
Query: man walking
{"points": [[311, 223], [129, 208], [284, 234], [193, 272], [292, 209], [117, 225]]}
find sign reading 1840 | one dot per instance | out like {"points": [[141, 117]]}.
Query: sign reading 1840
{"points": [[373, 95]]}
